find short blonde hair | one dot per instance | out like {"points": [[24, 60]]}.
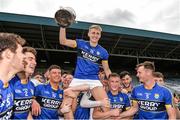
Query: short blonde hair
{"points": [[95, 27]]}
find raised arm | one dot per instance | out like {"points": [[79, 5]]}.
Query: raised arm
{"points": [[106, 67], [64, 41]]}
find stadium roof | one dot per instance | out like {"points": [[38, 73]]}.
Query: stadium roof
{"points": [[126, 46]]}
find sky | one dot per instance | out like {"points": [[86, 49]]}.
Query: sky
{"points": [[153, 15]]}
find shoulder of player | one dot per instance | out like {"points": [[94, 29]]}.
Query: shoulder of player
{"points": [[81, 41], [1, 84], [164, 88], [31, 83], [140, 86], [102, 48], [123, 94], [42, 86], [14, 80], [60, 90]]}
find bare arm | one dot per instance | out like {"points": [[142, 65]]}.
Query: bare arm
{"points": [[29, 116], [87, 103], [36, 108], [177, 113], [64, 41], [131, 111], [171, 112], [106, 68], [98, 114], [74, 104]]}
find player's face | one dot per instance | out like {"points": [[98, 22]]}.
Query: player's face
{"points": [[126, 80], [55, 75], [141, 74], [114, 83], [67, 80], [160, 81], [94, 35], [39, 78], [18, 59], [30, 60], [101, 75]]}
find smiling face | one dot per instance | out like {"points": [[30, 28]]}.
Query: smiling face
{"points": [[126, 80], [94, 35], [55, 75], [144, 74], [66, 80], [18, 59], [30, 60], [114, 83]]}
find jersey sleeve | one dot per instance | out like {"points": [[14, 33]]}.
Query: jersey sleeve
{"points": [[105, 55], [14, 80], [1, 84], [33, 87], [79, 43], [168, 98], [133, 95], [127, 101], [62, 92], [38, 90]]}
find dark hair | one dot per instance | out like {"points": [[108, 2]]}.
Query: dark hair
{"points": [[37, 73], [123, 74], [29, 49], [113, 75], [147, 65], [158, 75], [10, 41], [54, 67]]}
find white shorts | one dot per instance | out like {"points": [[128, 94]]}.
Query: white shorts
{"points": [[91, 83]]}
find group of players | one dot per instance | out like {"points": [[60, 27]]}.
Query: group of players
{"points": [[85, 95]]}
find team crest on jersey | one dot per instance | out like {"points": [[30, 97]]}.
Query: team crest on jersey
{"points": [[60, 95], [156, 96], [121, 99]]}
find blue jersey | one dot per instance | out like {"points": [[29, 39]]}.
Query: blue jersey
{"points": [[120, 101], [152, 103], [88, 60], [81, 113], [49, 100], [6, 101], [23, 96]]}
